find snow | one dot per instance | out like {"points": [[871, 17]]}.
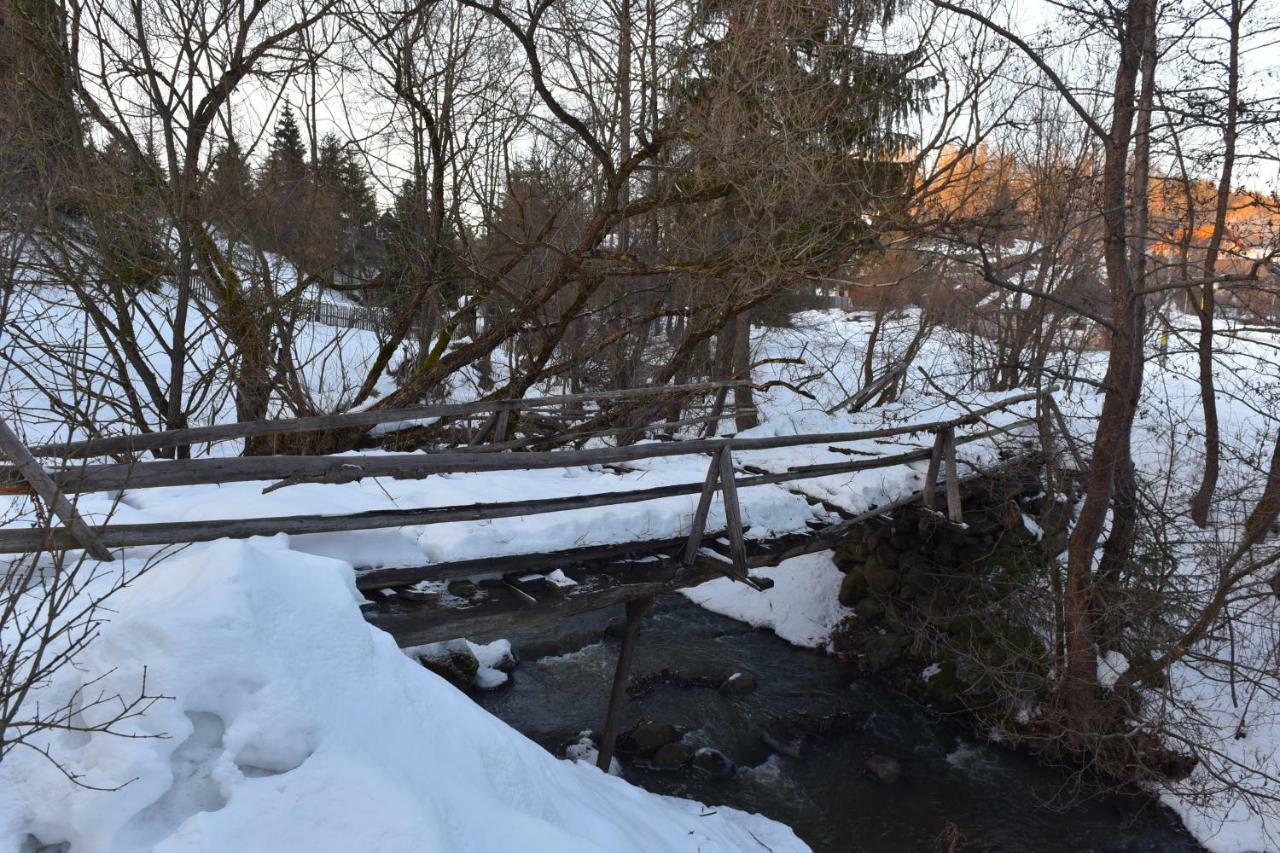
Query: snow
{"points": [[293, 725], [283, 697], [801, 607], [1238, 731]]}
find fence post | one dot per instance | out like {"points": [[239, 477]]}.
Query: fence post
{"points": [[42, 484], [704, 507], [636, 608], [733, 514], [954, 511], [935, 463]]}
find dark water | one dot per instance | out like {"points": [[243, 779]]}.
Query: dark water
{"points": [[995, 799]]}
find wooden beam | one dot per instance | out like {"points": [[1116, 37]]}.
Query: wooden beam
{"points": [[126, 444], [383, 578], [935, 463], [954, 511], [636, 608], [343, 468], [48, 491], [699, 524], [733, 515], [166, 533]]}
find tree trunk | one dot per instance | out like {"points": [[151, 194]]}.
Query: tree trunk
{"points": [[1212, 439]]}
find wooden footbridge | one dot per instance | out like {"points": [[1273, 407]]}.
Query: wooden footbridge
{"points": [[427, 603]]}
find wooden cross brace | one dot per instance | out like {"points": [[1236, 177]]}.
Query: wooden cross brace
{"points": [[720, 473]]}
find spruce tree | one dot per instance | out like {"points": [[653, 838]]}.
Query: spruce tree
{"points": [[286, 142], [230, 192]]}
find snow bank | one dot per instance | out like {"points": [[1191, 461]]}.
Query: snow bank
{"points": [[294, 726]]}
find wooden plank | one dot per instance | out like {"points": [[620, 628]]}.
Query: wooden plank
{"points": [[382, 578], [499, 612], [954, 511], [733, 514], [698, 526], [48, 491], [183, 472], [636, 608], [126, 444], [935, 462]]}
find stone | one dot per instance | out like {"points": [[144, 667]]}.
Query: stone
{"points": [[887, 555], [869, 609], [738, 684], [714, 763], [853, 587], [672, 755], [849, 554], [453, 661], [879, 652], [883, 769], [463, 589], [785, 737], [880, 576], [648, 738]]}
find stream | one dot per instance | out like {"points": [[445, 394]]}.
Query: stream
{"points": [[952, 785]]}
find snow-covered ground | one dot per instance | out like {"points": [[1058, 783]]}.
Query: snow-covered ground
{"points": [[1236, 721], [292, 725], [291, 718], [289, 724]]}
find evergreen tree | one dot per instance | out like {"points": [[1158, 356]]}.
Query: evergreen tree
{"points": [[286, 142], [359, 197], [41, 137], [230, 193], [282, 191]]}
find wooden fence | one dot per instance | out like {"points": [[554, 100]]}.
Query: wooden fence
{"points": [[289, 470]]}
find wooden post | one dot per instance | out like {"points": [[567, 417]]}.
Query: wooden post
{"points": [[42, 484], [954, 511], [699, 525], [717, 409], [935, 463], [733, 514], [500, 431], [636, 609]]}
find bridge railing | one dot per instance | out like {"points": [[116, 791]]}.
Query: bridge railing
{"points": [[290, 470]]}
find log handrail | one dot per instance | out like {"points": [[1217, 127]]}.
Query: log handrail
{"points": [[351, 468], [167, 533], [136, 443]]}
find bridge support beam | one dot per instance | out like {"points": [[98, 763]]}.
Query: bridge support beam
{"points": [[636, 608]]}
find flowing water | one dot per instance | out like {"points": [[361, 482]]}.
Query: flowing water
{"points": [[951, 784]]}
